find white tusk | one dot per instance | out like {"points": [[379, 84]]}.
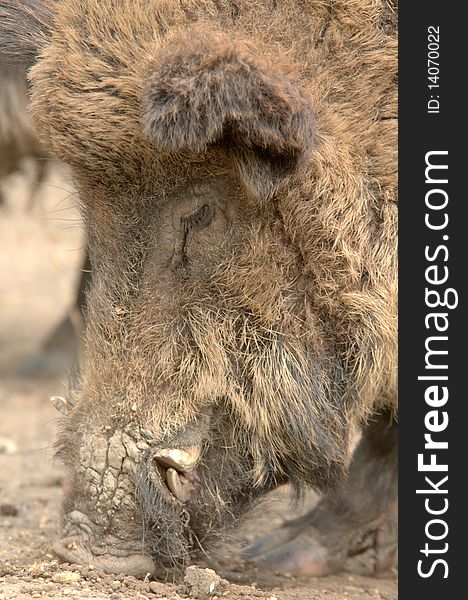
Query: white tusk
{"points": [[61, 404], [182, 460], [182, 489]]}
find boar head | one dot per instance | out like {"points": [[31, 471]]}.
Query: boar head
{"points": [[208, 376]]}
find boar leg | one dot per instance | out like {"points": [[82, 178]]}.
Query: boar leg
{"points": [[41, 166], [61, 349], [358, 516]]}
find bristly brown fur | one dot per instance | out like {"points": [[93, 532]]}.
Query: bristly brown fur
{"points": [[281, 314]]}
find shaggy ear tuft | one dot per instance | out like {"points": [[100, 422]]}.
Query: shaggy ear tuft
{"points": [[205, 88], [24, 29]]}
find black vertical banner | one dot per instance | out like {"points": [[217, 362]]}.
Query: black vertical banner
{"points": [[433, 449]]}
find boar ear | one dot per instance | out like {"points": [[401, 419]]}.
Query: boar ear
{"points": [[205, 88], [24, 29]]}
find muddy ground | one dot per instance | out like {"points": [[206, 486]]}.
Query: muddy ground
{"points": [[40, 257]]}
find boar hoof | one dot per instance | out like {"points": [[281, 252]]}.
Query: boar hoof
{"points": [[307, 551], [277, 552]]}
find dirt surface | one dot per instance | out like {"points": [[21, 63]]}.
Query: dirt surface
{"points": [[40, 257]]}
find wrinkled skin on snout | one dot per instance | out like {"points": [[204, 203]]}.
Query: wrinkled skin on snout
{"points": [[238, 193]]}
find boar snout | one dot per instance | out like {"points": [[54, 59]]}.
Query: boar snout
{"points": [[127, 488], [101, 523], [76, 548]]}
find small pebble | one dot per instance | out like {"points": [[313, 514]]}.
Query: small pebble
{"points": [[203, 584], [66, 578], [157, 588]]}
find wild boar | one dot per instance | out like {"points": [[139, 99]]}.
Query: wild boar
{"points": [[236, 163], [16, 139], [18, 143], [62, 347]]}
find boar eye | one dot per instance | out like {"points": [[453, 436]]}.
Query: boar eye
{"points": [[192, 224], [200, 219]]}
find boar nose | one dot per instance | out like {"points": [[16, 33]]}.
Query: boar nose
{"points": [[137, 565]]}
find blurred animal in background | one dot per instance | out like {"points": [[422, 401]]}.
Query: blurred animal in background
{"points": [[21, 152], [17, 142]]}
